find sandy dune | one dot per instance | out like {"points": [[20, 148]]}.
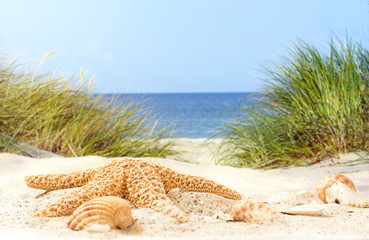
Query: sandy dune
{"points": [[281, 189]]}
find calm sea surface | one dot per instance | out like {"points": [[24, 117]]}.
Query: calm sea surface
{"points": [[193, 115]]}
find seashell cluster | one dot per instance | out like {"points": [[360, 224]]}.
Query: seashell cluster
{"points": [[340, 189], [114, 212], [250, 211]]}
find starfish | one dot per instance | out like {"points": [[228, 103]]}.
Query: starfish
{"points": [[144, 182]]}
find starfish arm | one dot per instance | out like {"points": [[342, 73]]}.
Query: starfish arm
{"points": [[190, 183], [66, 205], [59, 181], [147, 191]]}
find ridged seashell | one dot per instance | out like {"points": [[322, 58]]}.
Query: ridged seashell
{"points": [[310, 209], [340, 189], [250, 211], [114, 212]]}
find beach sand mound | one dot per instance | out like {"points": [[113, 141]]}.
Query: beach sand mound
{"points": [[280, 189]]}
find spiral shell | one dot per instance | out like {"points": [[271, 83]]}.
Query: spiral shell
{"points": [[114, 212], [250, 211], [340, 189]]}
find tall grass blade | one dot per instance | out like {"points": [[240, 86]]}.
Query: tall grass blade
{"points": [[63, 79], [90, 83], [81, 76], [46, 56]]}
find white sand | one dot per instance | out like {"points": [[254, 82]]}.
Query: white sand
{"points": [[202, 150], [18, 202]]}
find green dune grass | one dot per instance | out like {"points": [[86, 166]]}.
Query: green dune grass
{"points": [[314, 106], [64, 117]]}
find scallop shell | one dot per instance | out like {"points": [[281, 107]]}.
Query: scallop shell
{"points": [[340, 189], [114, 212], [250, 211], [311, 209]]}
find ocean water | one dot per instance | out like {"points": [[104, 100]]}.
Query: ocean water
{"points": [[192, 115]]}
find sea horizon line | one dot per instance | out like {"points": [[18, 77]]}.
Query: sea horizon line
{"points": [[153, 93]]}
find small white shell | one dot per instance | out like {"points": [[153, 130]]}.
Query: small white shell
{"points": [[250, 211], [337, 188], [222, 216], [114, 212], [311, 209]]}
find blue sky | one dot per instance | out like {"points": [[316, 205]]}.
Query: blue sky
{"points": [[172, 45]]}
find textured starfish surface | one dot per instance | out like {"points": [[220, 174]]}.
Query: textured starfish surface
{"points": [[144, 182]]}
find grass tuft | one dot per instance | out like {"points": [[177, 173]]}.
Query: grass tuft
{"points": [[314, 106], [58, 116]]}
